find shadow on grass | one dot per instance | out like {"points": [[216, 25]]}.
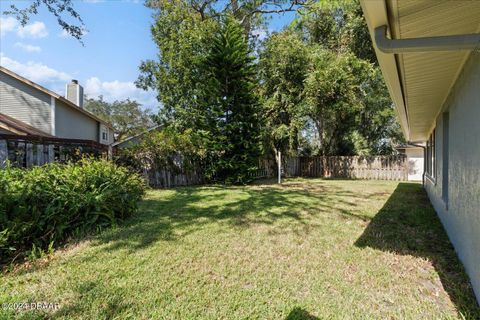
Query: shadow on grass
{"points": [[408, 225], [190, 209], [300, 314]]}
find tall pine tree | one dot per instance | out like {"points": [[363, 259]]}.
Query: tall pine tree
{"points": [[229, 97]]}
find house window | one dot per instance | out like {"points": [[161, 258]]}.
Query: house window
{"points": [[431, 164], [105, 135]]}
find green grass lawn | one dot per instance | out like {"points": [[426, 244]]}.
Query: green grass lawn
{"points": [[326, 249]]}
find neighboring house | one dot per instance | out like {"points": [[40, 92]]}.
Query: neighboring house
{"points": [[134, 140], [9, 125], [435, 85], [415, 161], [47, 112]]}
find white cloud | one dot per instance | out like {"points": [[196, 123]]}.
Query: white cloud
{"points": [[117, 90], [27, 47], [64, 34], [36, 29], [7, 25], [35, 71]]}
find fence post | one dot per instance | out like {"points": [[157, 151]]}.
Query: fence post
{"points": [[20, 154], [109, 152], [29, 155], [51, 153], [3, 153], [40, 155]]}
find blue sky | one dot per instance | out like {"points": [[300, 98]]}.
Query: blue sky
{"points": [[118, 39]]}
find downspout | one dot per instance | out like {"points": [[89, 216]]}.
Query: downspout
{"points": [[440, 43], [424, 159]]}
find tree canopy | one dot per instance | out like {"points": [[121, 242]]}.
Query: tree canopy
{"points": [[313, 88], [324, 68], [283, 69], [231, 104], [127, 116]]}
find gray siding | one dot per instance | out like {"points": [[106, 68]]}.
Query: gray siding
{"points": [[111, 136], [104, 128], [461, 216], [25, 103], [73, 124]]}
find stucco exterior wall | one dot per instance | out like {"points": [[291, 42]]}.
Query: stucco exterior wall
{"points": [[25, 103], [73, 124], [460, 213]]}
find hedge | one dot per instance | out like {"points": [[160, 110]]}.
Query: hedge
{"points": [[43, 206]]}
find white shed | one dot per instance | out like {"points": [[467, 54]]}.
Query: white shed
{"points": [[415, 161]]}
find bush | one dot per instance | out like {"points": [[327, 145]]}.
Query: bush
{"points": [[45, 205]]}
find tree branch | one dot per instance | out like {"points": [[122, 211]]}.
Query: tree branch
{"points": [[292, 7]]}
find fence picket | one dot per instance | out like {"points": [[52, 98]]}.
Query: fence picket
{"points": [[3, 153]]}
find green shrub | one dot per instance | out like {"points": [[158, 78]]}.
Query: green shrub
{"points": [[45, 205]]}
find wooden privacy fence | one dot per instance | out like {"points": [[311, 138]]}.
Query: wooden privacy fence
{"points": [[27, 151], [352, 167], [348, 167], [168, 178], [170, 172]]}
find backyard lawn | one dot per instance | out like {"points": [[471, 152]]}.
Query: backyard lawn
{"points": [[305, 250]]}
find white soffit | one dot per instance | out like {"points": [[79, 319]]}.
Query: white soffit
{"points": [[427, 77]]}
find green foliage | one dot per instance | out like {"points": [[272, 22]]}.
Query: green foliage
{"points": [[165, 149], [355, 35], [322, 91], [183, 32], [283, 68], [45, 205], [349, 105], [338, 26], [183, 40], [233, 107], [126, 116], [319, 89], [333, 90]]}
